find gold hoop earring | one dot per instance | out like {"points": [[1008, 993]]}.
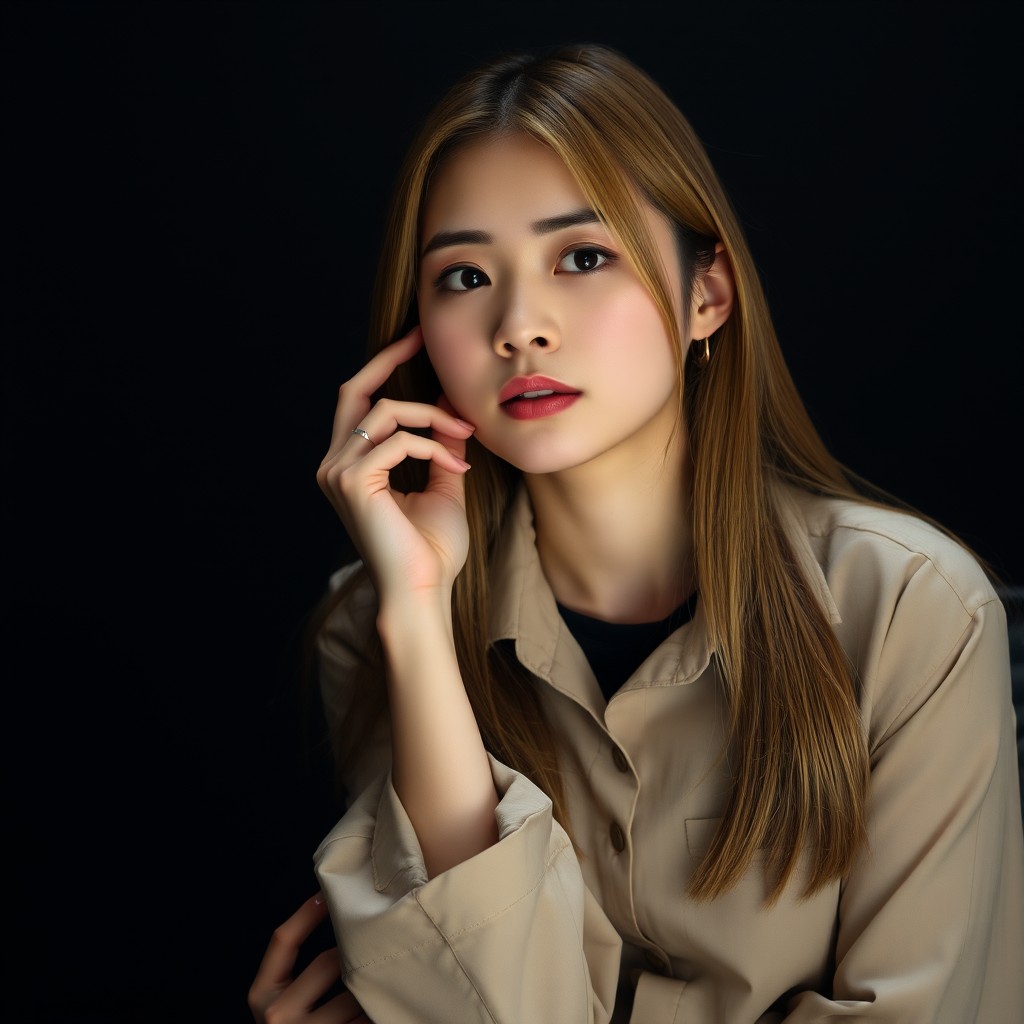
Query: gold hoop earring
{"points": [[703, 354]]}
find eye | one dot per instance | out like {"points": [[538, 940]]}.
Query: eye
{"points": [[461, 279], [584, 260]]}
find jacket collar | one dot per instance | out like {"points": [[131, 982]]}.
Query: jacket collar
{"points": [[795, 510], [523, 606]]}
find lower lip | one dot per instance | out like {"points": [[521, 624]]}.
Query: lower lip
{"points": [[535, 408]]}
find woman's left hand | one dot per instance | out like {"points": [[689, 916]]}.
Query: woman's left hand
{"points": [[275, 997]]}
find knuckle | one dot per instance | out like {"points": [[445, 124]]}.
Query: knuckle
{"points": [[331, 479], [274, 1014], [347, 482]]}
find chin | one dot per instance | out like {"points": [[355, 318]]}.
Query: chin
{"points": [[538, 458]]}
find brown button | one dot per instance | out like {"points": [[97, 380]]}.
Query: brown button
{"points": [[620, 760], [618, 838], [655, 961]]}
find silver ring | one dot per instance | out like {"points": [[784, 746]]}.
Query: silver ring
{"points": [[363, 433]]}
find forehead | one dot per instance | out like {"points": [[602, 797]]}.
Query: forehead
{"points": [[503, 179]]}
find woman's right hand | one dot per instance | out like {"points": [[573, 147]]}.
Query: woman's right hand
{"points": [[275, 997], [408, 542]]}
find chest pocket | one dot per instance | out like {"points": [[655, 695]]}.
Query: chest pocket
{"points": [[791, 940]]}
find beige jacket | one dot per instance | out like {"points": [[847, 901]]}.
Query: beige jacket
{"points": [[928, 927]]}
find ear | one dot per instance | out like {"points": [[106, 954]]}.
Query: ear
{"points": [[716, 291]]}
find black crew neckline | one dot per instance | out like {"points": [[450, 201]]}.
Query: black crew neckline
{"points": [[615, 650]]}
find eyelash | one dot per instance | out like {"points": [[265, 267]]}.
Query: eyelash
{"points": [[607, 257]]}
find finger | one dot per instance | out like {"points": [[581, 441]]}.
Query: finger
{"points": [[323, 971], [387, 416], [279, 959], [439, 474], [355, 394], [371, 473], [342, 1009], [372, 375], [455, 443]]}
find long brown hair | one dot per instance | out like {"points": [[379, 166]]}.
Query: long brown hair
{"points": [[796, 745]]}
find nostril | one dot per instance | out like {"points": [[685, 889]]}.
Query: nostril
{"points": [[541, 342]]}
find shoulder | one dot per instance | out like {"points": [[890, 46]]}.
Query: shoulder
{"points": [[869, 553], [916, 611]]}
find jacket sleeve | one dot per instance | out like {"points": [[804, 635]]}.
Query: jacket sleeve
{"points": [[931, 919], [510, 935]]}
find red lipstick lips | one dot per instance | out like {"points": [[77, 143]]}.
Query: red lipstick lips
{"points": [[518, 386], [527, 398]]}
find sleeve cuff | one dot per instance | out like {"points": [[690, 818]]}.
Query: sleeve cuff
{"points": [[371, 863]]}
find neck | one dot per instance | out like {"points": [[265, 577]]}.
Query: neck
{"points": [[614, 535]]}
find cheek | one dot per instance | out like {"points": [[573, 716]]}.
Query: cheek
{"points": [[626, 333], [450, 348]]}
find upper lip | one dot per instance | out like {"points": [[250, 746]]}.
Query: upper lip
{"points": [[517, 385]]}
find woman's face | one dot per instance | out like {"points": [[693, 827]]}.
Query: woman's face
{"points": [[541, 333]]}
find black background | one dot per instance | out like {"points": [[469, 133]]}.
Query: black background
{"points": [[194, 195]]}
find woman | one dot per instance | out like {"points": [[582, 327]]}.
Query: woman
{"points": [[650, 710]]}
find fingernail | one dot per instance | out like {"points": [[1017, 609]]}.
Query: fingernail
{"points": [[468, 426], [319, 898], [462, 462]]}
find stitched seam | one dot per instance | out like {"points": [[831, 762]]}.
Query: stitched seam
{"points": [[392, 956], [397, 955], [899, 542], [468, 977], [518, 899]]}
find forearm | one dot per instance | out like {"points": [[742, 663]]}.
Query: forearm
{"points": [[439, 766]]}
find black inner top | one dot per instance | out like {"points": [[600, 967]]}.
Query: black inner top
{"points": [[616, 650]]}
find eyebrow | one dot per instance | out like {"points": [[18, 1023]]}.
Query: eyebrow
{"points": [[443, 239]]}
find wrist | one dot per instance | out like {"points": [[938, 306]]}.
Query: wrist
{"points": [[422, 613]]}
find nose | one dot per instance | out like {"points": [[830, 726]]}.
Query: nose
{"points": [[525, 324]]}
